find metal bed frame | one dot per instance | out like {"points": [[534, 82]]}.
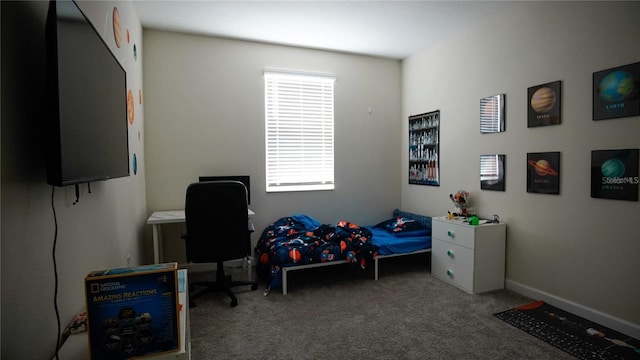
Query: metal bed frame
{"points": [[287, 269]]}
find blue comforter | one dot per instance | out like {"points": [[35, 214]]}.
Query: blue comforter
{"points": [[389, 243]]}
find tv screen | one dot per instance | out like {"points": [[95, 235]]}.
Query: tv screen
{"points": [[242, 178], [88, 127]]}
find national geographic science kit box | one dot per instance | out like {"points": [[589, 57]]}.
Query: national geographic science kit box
{"points": [[133, 312]]}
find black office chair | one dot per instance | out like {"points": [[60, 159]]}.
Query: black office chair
{"points": [[217, 231]]}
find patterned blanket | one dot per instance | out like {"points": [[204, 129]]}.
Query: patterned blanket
{"points": [[300, 239]]}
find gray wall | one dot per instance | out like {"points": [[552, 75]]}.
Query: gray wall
{"points": [[568, 248], [97, 233], [204, 103], [204, 94]]}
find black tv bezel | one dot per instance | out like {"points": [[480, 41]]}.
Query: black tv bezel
{"points": [[54, 137]]}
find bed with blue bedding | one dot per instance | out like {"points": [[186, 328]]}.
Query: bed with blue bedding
{"points": [[300, 242]]}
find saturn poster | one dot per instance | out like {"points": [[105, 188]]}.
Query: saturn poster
{"points": [[614, 174], [543, 173]]}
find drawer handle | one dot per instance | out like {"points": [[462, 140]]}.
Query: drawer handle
{"points": [[449, 273], [450, 233], [450, 253]]}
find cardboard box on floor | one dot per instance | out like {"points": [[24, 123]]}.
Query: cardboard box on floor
{"points": [[133, 312]]}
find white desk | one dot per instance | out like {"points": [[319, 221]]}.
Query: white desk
{"points": [[167, 217]]}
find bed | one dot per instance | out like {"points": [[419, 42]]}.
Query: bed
{"points": [[301, 242]]}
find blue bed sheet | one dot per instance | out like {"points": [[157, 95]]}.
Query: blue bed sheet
{"points": [[389, 244]]}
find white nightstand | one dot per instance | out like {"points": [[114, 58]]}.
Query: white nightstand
{"points": [[469, 257]]}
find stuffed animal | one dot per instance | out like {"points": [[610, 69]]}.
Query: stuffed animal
{"points": [[460, 200]]}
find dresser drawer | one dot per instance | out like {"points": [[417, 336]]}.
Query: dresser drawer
{"points": [[452, 273], [461, 234], [452, 253]]}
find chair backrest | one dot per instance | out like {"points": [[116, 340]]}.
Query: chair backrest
{"points": [[217, 221]]}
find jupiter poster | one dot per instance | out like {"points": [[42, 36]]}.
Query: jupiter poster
{"points": [[543, 102], [614, 174]]}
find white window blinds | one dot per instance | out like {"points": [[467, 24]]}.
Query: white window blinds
{"points": [[299, 131]]}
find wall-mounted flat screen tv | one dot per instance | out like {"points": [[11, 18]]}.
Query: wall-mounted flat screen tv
{"points": [[87, 92]]}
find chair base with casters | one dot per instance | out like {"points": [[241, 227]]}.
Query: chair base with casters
{"points": [[223, 283]]}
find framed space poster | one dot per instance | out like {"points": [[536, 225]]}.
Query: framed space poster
{"points": [[492, 172], [614, 174], [492, 114], [424, 140], [616, 92], [543, 173], [543, 103]]}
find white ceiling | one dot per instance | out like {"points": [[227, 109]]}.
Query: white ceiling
{"points": [[390, 29]]}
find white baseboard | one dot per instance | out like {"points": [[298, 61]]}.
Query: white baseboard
{"points": [[599, 317]]}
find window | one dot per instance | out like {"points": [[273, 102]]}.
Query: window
{"points": [[299, 131]]}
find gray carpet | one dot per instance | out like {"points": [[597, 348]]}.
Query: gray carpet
{"points": [[340, 312]]}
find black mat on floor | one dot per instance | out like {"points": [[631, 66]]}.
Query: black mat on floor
{"points": [[575, 335]]}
